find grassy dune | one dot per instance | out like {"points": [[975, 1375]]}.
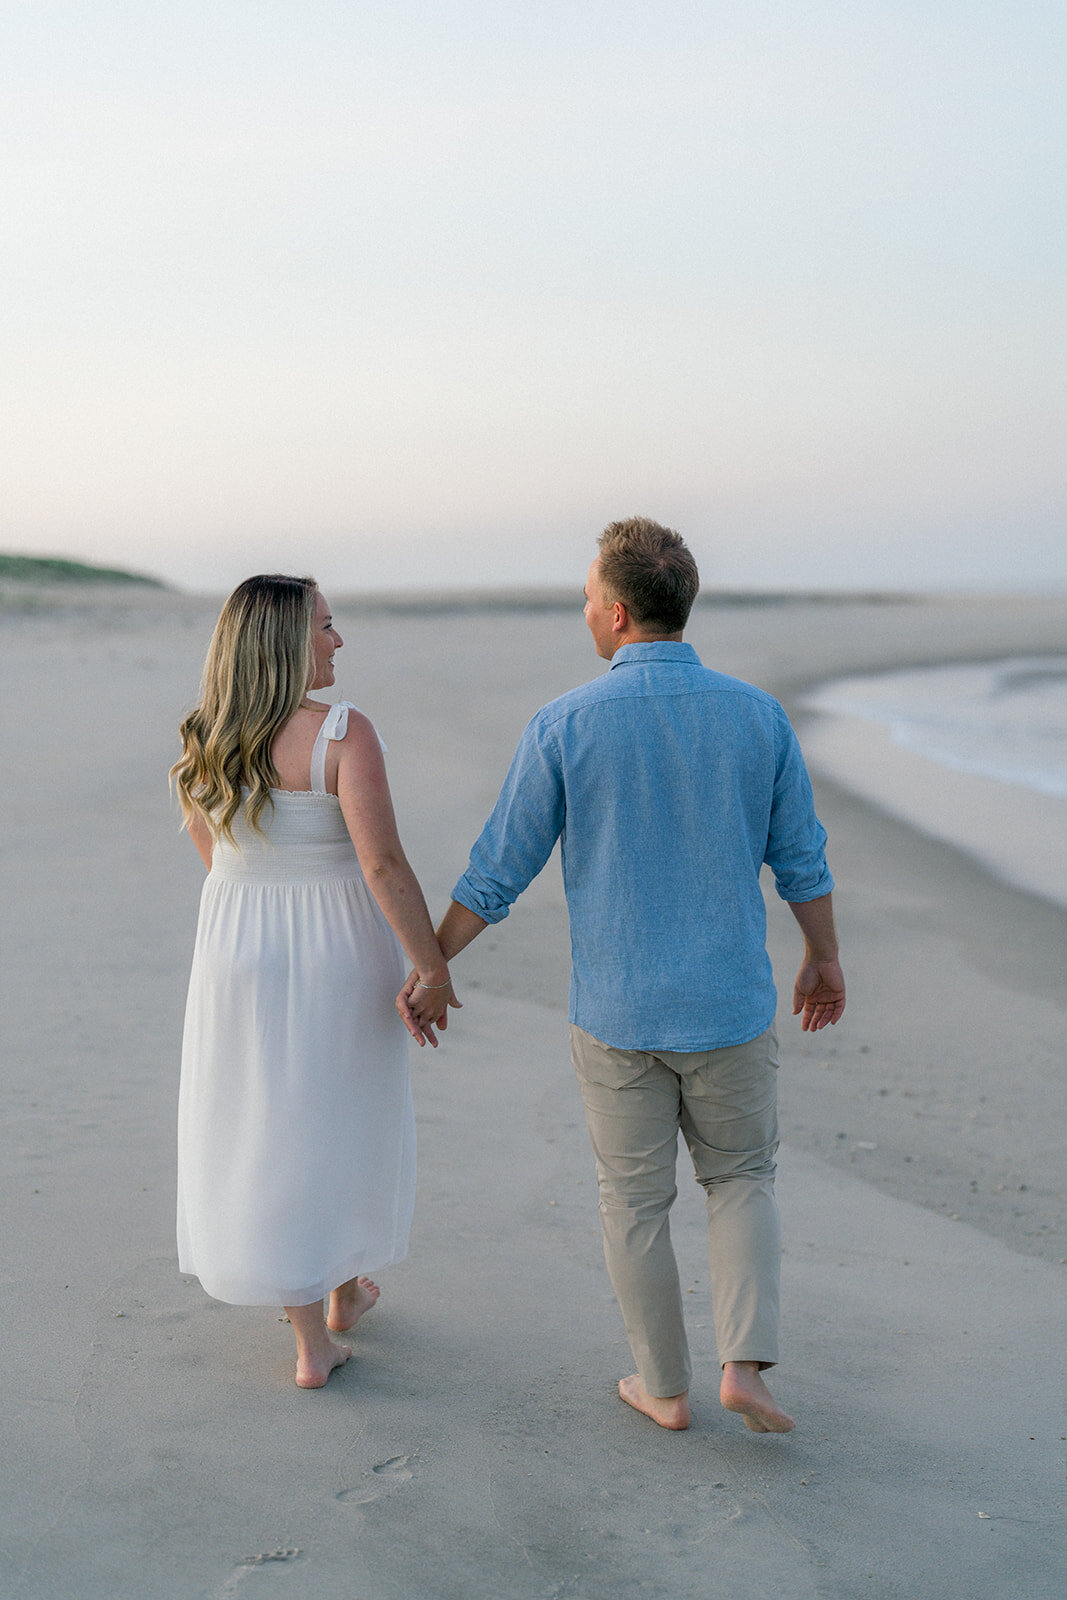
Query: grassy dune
{"points": [[53, 569]]}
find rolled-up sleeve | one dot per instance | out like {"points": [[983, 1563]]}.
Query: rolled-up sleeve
{"points": [[796, 842], [522, 829]]}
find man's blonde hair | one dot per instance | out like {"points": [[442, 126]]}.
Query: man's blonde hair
{"points": [[651, 570], [258, 668]]}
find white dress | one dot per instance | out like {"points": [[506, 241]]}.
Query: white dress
{"points": [[296, 1134]]}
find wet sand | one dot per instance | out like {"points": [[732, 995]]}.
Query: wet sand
{"points": [[474, 1447]]}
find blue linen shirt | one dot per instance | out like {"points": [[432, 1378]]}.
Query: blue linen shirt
{"points": [[669, 785]]}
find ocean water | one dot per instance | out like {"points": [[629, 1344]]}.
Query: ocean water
{"points": [[1005, 720], [973, 754]]}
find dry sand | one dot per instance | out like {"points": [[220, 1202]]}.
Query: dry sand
{"points": [[154, 1443]]}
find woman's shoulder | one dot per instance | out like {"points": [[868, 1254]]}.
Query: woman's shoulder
{"points": [[355, 732], [350, 716], [338, 719]]}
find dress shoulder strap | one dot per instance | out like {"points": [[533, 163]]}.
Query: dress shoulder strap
{"points": [[334, 726]]}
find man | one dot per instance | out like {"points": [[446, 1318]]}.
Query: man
{"points": [[669, 786]]}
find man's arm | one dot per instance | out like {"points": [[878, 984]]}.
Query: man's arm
{"points": [[819, 992], [459, 928]]}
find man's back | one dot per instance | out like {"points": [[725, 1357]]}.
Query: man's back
{"points": [[670, 785]]}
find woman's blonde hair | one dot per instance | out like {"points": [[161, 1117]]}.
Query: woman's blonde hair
{"points": [[258, 669]]}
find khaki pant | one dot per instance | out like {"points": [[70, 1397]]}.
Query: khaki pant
{"points": [[725, 1102]]}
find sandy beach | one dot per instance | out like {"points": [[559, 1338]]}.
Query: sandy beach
{"points": [[474, 1448]]}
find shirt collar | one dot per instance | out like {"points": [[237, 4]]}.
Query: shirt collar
{"points": [[682, 654]]}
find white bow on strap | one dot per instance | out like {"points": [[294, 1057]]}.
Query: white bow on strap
{"points": [[335, 725]]}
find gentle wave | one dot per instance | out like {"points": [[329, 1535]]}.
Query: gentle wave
{"points": [[1005, 720]]}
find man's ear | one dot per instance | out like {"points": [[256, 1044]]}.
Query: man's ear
{"points": [[621, 618]]}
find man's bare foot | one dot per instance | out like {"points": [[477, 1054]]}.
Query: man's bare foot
{"points": [[744, 1391], [349, 1302], [670, 1411], [312, 1369]]}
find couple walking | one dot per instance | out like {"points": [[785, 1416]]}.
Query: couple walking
{"points": [[669, 786]]}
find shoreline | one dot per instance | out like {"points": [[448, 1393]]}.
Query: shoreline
{"points": [[1013, 833]]}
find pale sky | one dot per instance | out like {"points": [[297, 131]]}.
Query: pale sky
{"points": [[423, 294]]}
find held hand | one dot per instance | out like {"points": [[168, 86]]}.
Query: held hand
{"points": [[819, 994], [422, 1009]]}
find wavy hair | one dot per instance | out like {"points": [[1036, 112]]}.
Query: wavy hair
{"points": [[257, 672]]}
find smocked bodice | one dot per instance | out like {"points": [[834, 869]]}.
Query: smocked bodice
{"points": [[304, 839], [303, 836]]}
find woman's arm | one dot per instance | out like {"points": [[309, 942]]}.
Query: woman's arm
{"points": [[202, 837], [367, 807]]}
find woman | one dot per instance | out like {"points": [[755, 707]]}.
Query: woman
{"points": [[296, 1142]]}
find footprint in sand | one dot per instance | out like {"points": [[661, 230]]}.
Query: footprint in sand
{"points": [[396, 1466], [236, 1578], [395, 1470]]}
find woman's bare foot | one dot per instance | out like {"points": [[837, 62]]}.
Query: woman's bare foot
{"points": [[670, 1411], [350, 1301], [744, 1391], [316, 1353], [313, 1368]]}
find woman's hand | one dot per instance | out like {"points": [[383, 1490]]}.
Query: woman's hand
{"points": [[424, 1006]]}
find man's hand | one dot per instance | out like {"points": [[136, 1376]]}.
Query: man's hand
{"points": [[819, 994]]}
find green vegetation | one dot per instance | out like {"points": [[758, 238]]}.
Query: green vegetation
{"points": [[53, 569]]}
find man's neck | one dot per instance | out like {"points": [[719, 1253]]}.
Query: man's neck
{"points": [[633, 637]]}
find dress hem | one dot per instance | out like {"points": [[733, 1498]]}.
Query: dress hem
{"points": [[260, 1296]]}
